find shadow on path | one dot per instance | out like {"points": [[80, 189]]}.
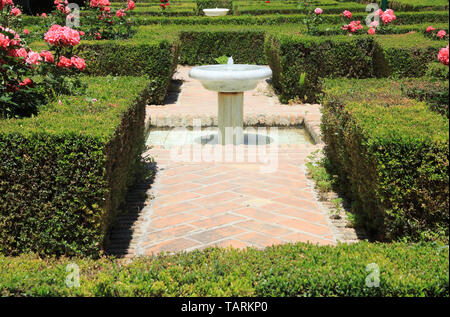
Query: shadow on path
{"points": [[121, 235]]}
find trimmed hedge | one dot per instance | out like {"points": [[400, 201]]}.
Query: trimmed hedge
{"points": [[408, 55], [64, 173], [156, 60], [202, 47], [285, 270], [390, 154], [276, 19], [298, 63], [433, 92]]}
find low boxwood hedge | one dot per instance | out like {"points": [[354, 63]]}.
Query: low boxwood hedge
{"points": [[155, 60], [276, 19], [286, 270], [433, 92], [408, 55], [298, 63], [64, 173], [202, 47], [390, 155]]}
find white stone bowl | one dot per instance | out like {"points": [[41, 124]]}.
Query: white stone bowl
{"points": [[215, 12], [230, 78]]}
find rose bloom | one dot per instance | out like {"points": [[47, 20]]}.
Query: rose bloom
{"points": [[120, 13], [26, 82], [16, 12], [347, 14], [4, 41], [79, 63], [441, 34], [130, 5], [443, 55], [33, 58], [430, 29], [371, 31], [21, 52], [318, 11], [64, 62], [62, 36], [48, 56], [3, 3], [44, 15], [374, 24], [26, 31]]}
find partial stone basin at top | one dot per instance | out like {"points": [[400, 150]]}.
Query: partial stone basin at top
{"points": [[215, 12], [230, 77]]}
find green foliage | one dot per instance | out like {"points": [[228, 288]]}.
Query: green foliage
{"points": [[155, 60], [316, 167], [437, 70], [391, 157], [290, 57], [202, 47], [221, 59], [434, 93], [285, 270], [65, 172]]}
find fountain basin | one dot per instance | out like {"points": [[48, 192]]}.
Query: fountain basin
{"points": [[215, 12], [230, 78]]}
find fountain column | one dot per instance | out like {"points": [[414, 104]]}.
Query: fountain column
{"points": [[231, 117]]}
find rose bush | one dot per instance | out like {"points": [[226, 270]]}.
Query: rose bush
{"points": [[19, 94], [443, 56], [313, 20], [28, 78]]}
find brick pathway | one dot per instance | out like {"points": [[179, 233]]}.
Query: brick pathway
{"points": [[194, 205]]}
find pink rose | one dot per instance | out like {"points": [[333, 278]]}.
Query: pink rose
{"points": [[318, 11], [130, 5], [441, 34], [371, 31], [443, 55], [33, 58], [347, 14], [120, 13], [26, 31], [430, 29], [374, 24], [16, 12], [48, 56], [21, 52], [79, 63], [64, 62]]}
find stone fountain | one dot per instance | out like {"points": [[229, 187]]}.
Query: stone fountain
{"points": [[230, 81], [215, 12]]}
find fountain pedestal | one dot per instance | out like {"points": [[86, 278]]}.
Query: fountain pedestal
{"points": [[231, 117], [230, 81]]}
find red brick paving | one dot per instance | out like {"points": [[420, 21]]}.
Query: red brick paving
{"points": [[230, 204], [242, 207]]}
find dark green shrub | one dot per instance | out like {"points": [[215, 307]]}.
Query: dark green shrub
{"points": [[65, 172], [285, 270], [202, 47], [298, 63], [391, 157], [156, 60], [437, 70], [433, 92], [408, 55]]}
